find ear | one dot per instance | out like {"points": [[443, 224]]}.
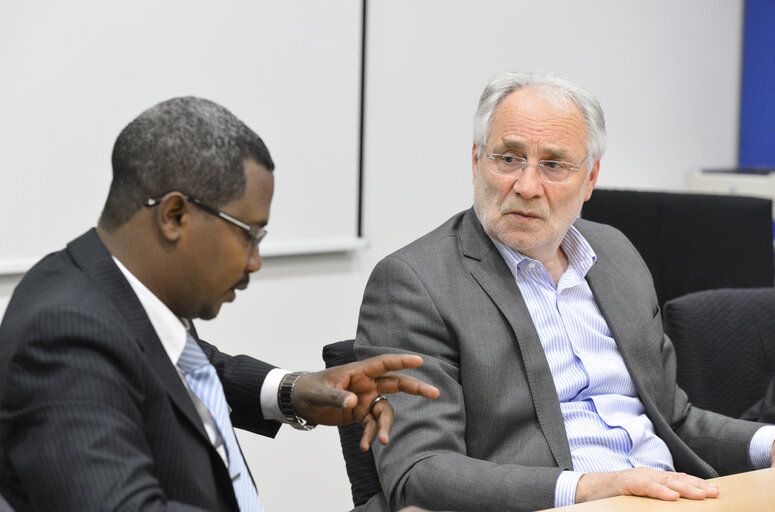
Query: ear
{"points": [[474, 162], [173, 216], [591, 180]]}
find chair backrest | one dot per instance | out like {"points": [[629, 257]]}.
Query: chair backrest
{"points": [[361, 470], [725, 346], [692, 242]]}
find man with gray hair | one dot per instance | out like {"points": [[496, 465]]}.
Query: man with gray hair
{"points": [[108, 398], [542, 332]]}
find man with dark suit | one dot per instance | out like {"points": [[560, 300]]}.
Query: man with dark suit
{"points": [[108, 401], [542, 333]]}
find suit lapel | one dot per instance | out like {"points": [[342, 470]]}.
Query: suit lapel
{"points": [[94, 259], [632, 333], [490, 271], [630, 339]]}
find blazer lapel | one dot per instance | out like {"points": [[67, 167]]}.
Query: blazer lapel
{"points": [[93, 258], [633, 332], [490, 271], [631, 340]]}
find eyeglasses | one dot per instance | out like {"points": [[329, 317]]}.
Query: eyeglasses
{"points": [[549, 170], [254, 234]]}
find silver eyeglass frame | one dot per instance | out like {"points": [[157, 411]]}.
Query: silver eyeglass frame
{"points": [[540, 166]]}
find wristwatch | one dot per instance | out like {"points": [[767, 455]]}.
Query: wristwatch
{"points": [[285, 401]]}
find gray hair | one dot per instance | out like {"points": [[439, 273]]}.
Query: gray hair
{"points": [[191, 145], [556, 88]]}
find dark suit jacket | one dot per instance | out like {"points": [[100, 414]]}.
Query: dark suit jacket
{"points": [[93, 415], [495, 438]]}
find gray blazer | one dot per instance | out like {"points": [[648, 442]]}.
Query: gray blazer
{"points": [[495, 438]]}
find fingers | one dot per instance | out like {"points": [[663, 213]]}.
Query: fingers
{"points": [[377, 424], [384, 413], [695, 488], [342, 394], [369, 432], [678, 485], [329, 396], [314, 390], [395, 382], [646, 482], [661, 491], [379, 365], [386, 384], [668, 486], [378, 375]]}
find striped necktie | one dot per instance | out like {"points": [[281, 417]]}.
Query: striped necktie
{"points": [[204, 382]]}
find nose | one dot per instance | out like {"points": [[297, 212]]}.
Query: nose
{"points": [[528, 183], [254, 261]]}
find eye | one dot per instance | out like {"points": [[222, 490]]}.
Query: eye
{"points": [[552, 164], [510, 159]]}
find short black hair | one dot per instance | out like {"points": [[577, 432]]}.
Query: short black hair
{"points": [[187, 144]]}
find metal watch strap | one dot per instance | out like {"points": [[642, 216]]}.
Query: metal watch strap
{"points": [[285, 401]]}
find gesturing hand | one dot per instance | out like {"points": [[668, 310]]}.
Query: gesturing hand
{"points": [[653, 483], [343, 394]]}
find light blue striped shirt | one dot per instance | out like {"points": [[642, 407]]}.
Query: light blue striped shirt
{"points": [[605, 420]]}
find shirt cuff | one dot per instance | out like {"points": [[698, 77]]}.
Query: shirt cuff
{"points": [[269, 406], [565, 489], [761, 447]]}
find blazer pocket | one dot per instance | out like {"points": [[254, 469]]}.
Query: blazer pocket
{"points": [[654, 379], [653, 331]]}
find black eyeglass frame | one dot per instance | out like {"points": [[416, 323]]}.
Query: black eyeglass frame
{"points": [[256, 234]]}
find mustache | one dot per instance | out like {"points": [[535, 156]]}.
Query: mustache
{"points": [[243, 283], [517, 205]]}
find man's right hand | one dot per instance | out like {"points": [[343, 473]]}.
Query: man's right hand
{"points": [[344, 394], [643, 481]]}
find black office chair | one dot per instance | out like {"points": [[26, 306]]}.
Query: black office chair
{"points": [[725, 346], [361, 470], [692, 242]]}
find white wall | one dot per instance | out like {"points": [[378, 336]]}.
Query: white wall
{"points": [[74, 73], [666, 72]]}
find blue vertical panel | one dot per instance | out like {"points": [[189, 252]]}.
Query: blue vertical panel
{"points": [[757, 108]]}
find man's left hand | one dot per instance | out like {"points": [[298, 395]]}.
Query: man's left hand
{"points": [[343, 394]]}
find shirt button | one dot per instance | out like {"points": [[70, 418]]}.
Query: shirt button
{"points": [[531, 265]]}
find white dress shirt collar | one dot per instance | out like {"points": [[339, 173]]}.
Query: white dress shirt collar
{"points": [[170, 329], [580, 254]]}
